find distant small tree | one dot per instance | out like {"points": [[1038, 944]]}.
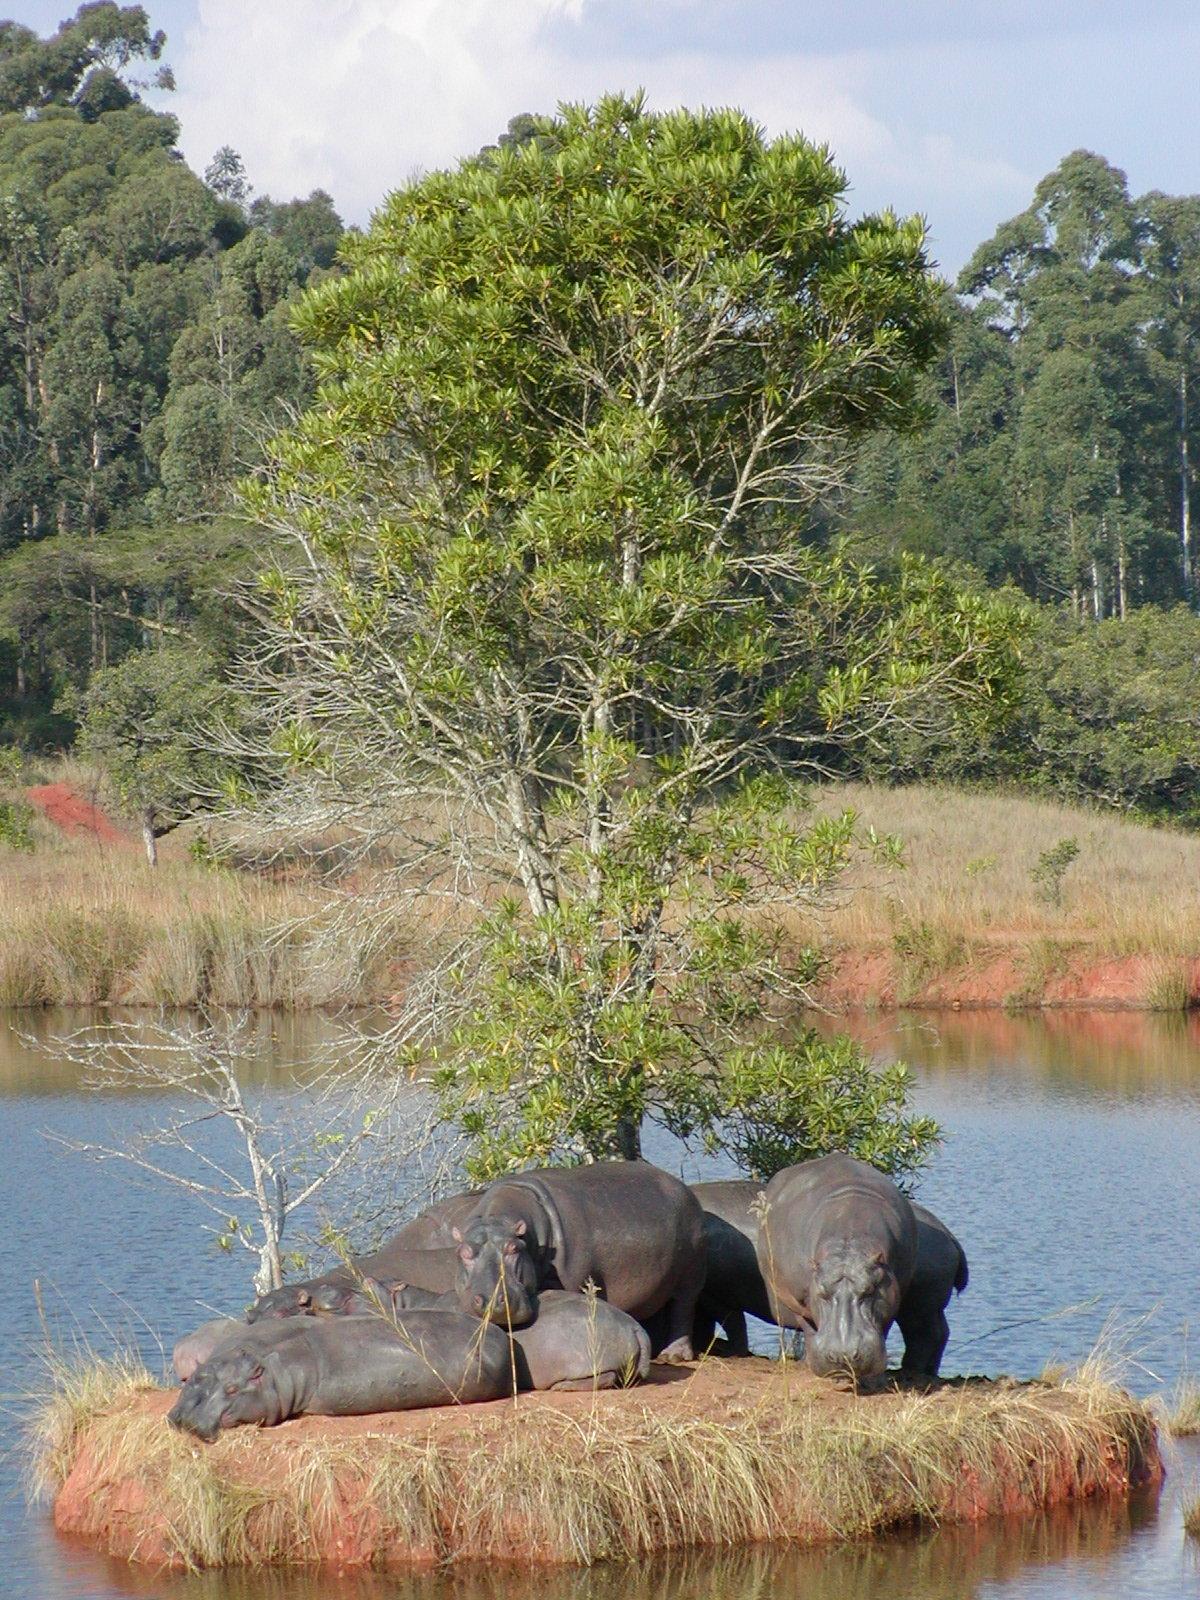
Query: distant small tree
{"points": [[251, 1158], [225, 175], [138, 722]]}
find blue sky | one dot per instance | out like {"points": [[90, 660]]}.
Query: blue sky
{"points": [[953, 108]]}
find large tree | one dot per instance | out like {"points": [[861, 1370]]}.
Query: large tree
{"points": [[548, 610]]}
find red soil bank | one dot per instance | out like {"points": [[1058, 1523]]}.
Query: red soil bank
{"points": [[873, 979], [67, 810], [127, 1517]]}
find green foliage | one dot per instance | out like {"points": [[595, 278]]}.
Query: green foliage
{"points": [[16, 825], [540, 560], [1110, 713], [145, 345], [778, 1104], [142, 723], [1052, 867], [1063, 436]]}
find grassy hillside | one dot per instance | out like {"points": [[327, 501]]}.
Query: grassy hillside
{"points": [[969, 859], [83, 919]]}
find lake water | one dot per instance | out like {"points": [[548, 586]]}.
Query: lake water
{"points": [[1071, 1171]]}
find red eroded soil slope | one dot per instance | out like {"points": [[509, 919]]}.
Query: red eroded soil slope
{"points": [[68, 810]]}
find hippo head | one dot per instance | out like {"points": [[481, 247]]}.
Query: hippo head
{"points": [[234, 1387], [853, 1299], [293, 1300], [497, 1276]]}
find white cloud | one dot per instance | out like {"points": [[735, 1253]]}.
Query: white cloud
{"points": [[355, 95]]}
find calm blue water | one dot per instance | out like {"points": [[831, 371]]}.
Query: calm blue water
{"points": [[1071, 1172]]}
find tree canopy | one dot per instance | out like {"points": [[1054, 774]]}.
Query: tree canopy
{"points": [[546, 577]]}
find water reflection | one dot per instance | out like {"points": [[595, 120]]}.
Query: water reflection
{"points": [[1126, 1053], [282, 1045]]}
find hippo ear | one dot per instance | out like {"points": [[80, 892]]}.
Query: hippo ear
{"points": [[519, 1228], [256, 1375], [456, 1235], [465, 1253], [879, 1259], [303, 1298]]}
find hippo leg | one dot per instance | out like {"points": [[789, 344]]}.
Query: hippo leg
{"points": [[734, 1323], [602, 1380], [926, 1334], [680, 1319]]}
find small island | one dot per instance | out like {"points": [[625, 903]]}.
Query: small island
{"points": [[714, 1453]]}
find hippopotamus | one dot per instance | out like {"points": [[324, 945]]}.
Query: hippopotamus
{"points": [[735, 1285], [941, 1270], [342, 1367], [195, 1348], [627, 1227], [837, 1248], [433, 1228], [579, 1341], [427, 1269], [576, 1341]]}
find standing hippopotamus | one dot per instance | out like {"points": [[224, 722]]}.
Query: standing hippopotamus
{"points": [[194, 1349], [941, 1270], [733, 1283], [837, 1248], [632, 1230], [734, 1286], [344, 1367], [427, 1269], [578, 1341]]}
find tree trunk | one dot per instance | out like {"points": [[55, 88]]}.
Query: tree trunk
{"points": [[627, 1140], [148, 838], [1185, 488]]}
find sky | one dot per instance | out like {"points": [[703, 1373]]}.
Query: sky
{"points": [[952, 108]]}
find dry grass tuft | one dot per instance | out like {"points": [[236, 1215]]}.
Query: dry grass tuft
{"points": [[1183, 1410], [80, 1387], [1191, 1519], [624, 1475]]}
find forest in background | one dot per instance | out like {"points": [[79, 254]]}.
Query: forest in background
{"points": [[147, 354]]}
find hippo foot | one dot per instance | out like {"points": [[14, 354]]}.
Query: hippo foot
{"points": [[602, 1380], [679, 1350]]}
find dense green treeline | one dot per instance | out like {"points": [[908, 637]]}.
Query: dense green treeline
{"points": [[144, 350], [1060, 450], [147, 352]]}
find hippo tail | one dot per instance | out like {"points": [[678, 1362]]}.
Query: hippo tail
{"points": [[963, 1276]]}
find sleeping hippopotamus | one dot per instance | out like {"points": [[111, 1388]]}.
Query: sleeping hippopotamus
{"points": [[631, 1229], [579, 1341], [837, 1248], [735, 1287], [194, 1349], [941, 1270], [428, 1269], [576, 1341], [343, 1367]]}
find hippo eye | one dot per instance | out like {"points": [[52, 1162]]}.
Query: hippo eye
{"points": [[231, 1388]]}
